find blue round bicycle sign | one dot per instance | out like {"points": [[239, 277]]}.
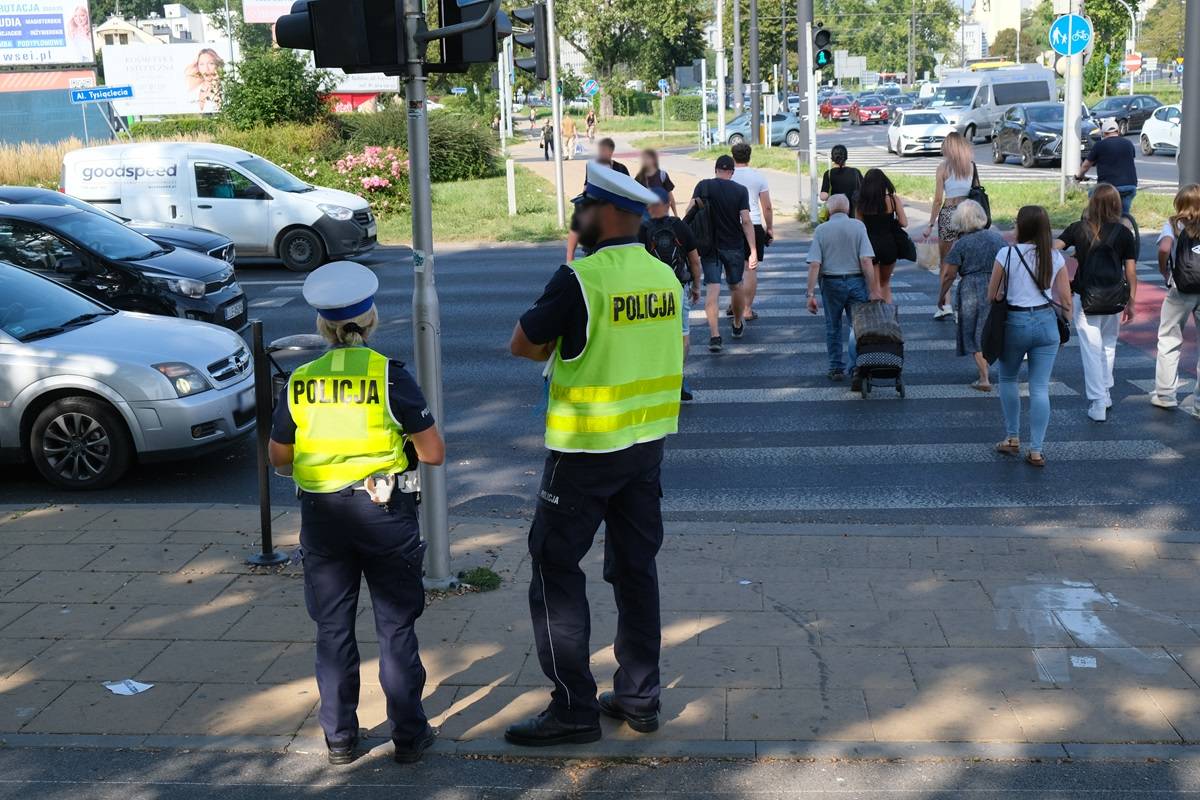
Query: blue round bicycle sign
{"points": [[1070, 34]]}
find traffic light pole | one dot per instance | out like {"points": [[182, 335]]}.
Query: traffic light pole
{"points": [[560, 203], [804, 57], [811, 128], [721, 71], [1189, 134], [756, 130]]}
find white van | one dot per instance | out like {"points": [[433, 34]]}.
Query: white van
{"points": [[263, 208], [973, 101]]}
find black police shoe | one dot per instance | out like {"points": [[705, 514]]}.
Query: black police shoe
{"points": [[856, 380], [343, 754], [411, 753], [640, 721], [545, 730]]}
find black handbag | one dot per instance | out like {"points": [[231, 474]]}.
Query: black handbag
{"points": [[980, 195], [1064, 330], [906, 250], [992, 344]]}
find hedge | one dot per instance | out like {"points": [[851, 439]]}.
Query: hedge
{"points": [[460, 147], [173, 128], [685, 108], [628, 103]]}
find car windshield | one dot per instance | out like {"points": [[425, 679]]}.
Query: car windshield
{"points": [[924, 119], [1045, 115], [839, 101], [952, 96], [32, 307], [870, 100], [740, 119], [1110, 104], [103, 236], [275, 176]]}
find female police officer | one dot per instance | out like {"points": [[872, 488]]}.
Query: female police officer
{"points": [[342, 425]]}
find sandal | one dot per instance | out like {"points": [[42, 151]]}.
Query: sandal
{"points": [[981, 387], [1035, 459], [1011, 446]]}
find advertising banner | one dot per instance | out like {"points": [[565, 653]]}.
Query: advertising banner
{"points": [[167, 78], [39, 32], [264, 10]]}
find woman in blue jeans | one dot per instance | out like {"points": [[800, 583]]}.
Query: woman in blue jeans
{"points": [[1030, 278]]}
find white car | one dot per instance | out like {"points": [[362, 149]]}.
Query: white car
{"points": [[1160, 133], [918, 131]]}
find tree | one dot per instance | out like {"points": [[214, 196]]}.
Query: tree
{"points": [[271, 86], [1111, 23], [653, 36], [1161, 35], [1005, 45], [130, 9], [879, 30]]}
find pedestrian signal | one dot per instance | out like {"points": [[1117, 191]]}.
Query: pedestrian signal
{"points": [[822, 52]]}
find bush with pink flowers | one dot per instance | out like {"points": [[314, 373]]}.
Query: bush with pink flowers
{"points": [[379, 174]]}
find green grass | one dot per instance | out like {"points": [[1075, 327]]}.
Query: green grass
{"points": [[643, 122], [777, 158], [671, 140], [477, 211], [481, 578]]}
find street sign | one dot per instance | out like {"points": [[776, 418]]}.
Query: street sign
{"points": [[81, 83], [1151, 64], [1133, 62], [101, 94], [590, 87], [1179, 69], [663, 84], [1107, 59], [458, 90], [1070, 34]]}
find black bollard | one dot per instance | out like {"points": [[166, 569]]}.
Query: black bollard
{"points": [[268, 555]]}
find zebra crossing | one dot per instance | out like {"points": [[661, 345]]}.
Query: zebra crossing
{"points": [[768, 438]]}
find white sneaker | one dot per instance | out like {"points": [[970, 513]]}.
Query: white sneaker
{"points": [[1155, 400], [943, 312], [1107, 400], [1096, 411]]}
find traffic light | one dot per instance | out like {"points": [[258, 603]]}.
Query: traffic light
{"points": [[359, 36], [822, 52], [480, 46], [536, 39]]}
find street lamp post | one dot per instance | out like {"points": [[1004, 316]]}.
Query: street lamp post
{"points": [[1132, 36], [720, 70], [1189, 151]]}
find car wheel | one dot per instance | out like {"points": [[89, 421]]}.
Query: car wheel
{"points": [[792, 139], [736, 138], [1123, 127], [302, 250], [969, 134], [80, 443], [1147, 148], [1027, 159], [998, 156]]}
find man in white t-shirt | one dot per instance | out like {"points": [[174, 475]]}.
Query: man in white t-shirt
{"points": [[761, 216]]}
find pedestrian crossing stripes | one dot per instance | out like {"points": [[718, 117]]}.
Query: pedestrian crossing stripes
{"points": [[843, 394]]}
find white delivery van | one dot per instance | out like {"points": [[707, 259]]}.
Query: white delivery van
{"points": [[263, 208], [973, 101]]}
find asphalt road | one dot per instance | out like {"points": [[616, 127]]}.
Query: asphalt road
{"points": [[131, 775], [768, 437]]}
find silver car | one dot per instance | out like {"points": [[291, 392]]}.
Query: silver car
{"points": [[86, 390]]}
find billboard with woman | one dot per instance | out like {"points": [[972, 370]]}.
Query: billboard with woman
{"points": [[167, 78], [42, 32]]}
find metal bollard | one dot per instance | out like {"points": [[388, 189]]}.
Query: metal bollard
{"points": [[267, 556]]}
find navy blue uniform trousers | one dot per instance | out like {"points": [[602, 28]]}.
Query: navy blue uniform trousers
{"points": [[578, 492], [344, 536]]}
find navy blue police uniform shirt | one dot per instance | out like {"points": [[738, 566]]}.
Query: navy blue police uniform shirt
{"points": [[404, 397], [561, 311]]}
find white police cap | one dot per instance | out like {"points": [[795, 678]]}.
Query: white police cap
{"points": [[606, 185], [341, 290]]}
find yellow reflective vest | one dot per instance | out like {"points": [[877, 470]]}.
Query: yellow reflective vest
{"points": [[623, 388], [345, 431]]}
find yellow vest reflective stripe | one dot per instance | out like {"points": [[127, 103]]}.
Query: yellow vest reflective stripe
{"points": [[344, 427], [623, 388]]}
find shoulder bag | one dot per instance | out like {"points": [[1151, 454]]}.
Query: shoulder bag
{"points": [[992, 344], [906, 250], [1064, 330], [980, 195]]}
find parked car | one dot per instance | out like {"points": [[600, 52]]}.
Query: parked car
{"points": [[266, 210], [836, 107], [118, 266], [1130, 113], [785, 129], [1033, 133], [88, 389], [899, 103], [1160, 133], [868, 109], [172, 234], [918, 131], [793, 103]]}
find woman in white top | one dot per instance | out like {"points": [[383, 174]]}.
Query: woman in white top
{"points": [[1030, 278], [1177, 306], [953, 181]]}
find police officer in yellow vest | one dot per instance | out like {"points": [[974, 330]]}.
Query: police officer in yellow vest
{"points": [[343, 426], [610, 324]]}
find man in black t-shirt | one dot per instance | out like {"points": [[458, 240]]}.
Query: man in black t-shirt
{"points": [[670, 240], [1114, 158], [727, 254]]}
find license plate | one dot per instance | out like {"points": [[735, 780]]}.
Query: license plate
{"points": [[234, 309], [245, 400]]}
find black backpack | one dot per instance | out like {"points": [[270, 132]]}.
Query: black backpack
{"points": [[662, 244], [1101, 283], [1185, 264], [700, 219]]}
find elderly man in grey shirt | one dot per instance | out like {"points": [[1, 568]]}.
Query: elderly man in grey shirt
{"points": [[841, 255]]}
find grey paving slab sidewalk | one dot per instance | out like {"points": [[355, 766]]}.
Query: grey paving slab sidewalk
{"points": [[810, 640]]}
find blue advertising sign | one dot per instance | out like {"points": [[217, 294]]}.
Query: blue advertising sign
{"points": [[1070, 34], [101, 94]]}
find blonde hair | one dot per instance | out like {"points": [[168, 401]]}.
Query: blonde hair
{"points": [[958, 155], [968, 217], [1187, 211], [360, 329]]}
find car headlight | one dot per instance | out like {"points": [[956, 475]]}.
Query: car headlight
{"points": [[1047, 136], [231, 254], [340, 213], [185, 379], [188, 287]]}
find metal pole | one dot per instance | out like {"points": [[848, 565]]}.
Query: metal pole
{"points": [[912, 43], [1189, 135], [782, 86], [1132, 36], [427, 336], [87, 140], [703, 101], [510, 68], [738, 88], [1074, 101], [1019, 21], [756, 130], [500, 80], [721, 70], [267, 556], [662, 102], [812, 132], [511, 180], [556, 112], [229, 30], [804, 60]]}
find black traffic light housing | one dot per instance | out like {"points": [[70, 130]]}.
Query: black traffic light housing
{"points": [[536, 39], [822, 51], [479, 46], [360, 36]]}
